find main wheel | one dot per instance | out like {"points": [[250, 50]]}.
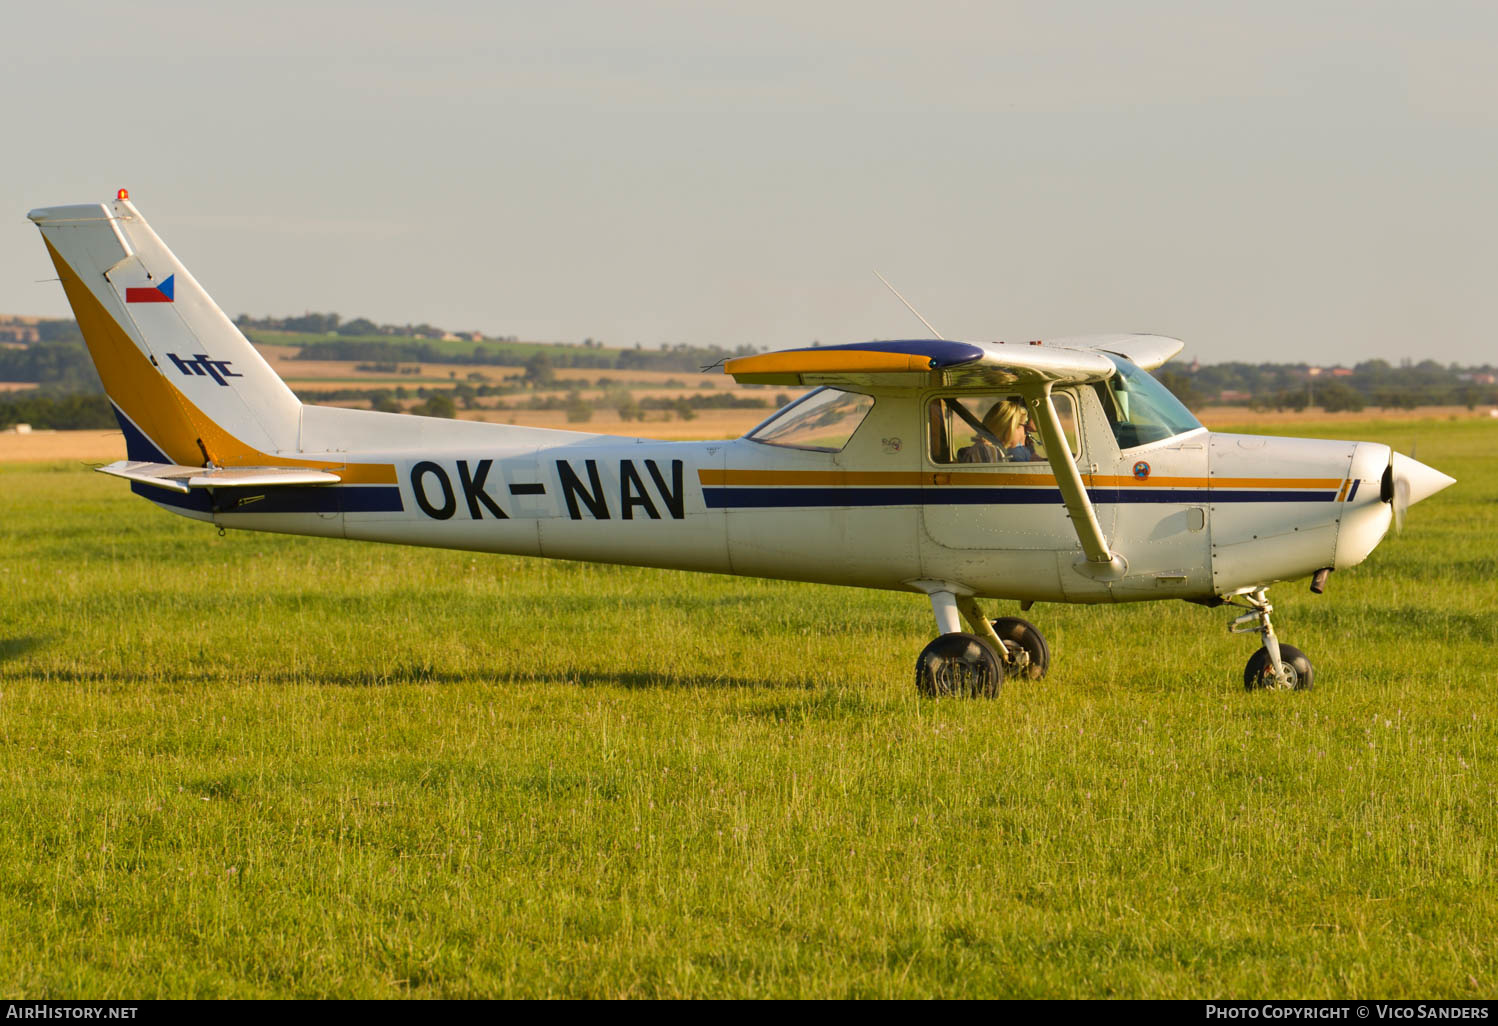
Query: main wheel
{"points": [[1023, 636], [959, 666], [1259, 673]]}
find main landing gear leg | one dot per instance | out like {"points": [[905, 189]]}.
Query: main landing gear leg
{"points": [[1274, 665], [981, 625], [1019, 643]]}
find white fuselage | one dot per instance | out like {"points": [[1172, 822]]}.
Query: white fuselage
{"points": [[1194, 516]]}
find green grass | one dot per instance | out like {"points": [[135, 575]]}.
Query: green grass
{"points": [[258, 765]]}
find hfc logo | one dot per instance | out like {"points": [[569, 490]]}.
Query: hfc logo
{"points": [[201, 365]]}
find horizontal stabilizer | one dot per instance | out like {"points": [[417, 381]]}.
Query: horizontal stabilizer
{"points": [[184, 479]]}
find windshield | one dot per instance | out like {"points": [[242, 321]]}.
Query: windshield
{"points": [[822, 421], [1140, 409]]}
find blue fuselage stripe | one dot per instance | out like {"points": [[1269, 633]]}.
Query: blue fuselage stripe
{"points": [[783, 497]]}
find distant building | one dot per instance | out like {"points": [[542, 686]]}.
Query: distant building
{"points": [[21, 330]]}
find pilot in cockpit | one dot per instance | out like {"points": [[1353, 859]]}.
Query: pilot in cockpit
{"points": [[1006, 428]]}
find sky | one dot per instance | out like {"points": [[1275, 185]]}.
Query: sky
{"points": [[1277, 181]]}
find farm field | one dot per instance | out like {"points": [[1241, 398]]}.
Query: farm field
{"points": [[256, 765], [306, 373]]}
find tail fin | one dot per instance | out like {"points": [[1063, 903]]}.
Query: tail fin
{"points": [[187, 386]]}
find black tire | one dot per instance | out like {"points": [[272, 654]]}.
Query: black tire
{"points": [[1024, 635], [959, 666], [1259, 673]]}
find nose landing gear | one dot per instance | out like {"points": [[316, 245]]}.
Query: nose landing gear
{"points": [[1275, 665]]}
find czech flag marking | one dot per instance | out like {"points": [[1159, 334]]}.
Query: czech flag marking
{"points": [[158, 294]]}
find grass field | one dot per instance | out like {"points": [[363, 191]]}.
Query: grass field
{"points": [[260, 765]]}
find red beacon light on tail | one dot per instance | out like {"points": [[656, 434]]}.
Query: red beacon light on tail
{"points": [[123, 194]]}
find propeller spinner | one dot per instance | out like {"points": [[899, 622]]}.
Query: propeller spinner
{"points": [[1406, 482]]}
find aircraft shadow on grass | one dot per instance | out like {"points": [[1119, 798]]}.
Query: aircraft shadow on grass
{"points": [[15, 648], [634, 680]]}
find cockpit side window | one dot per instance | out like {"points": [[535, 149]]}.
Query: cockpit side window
{"points": [[1139, 409], [822, 421], [993, 428]]}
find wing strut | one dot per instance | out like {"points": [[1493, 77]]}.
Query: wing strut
{"points": [[1101, 562]]}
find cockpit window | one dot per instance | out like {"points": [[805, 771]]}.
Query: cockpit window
{"points": [[1140, 409], [822, 421], [992, 429]]}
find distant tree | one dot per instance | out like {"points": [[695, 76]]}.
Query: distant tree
{"points": [[1181, 386], [56, 413], [1335, 396], [439, 405], [1291, 399], [1396, 398], [628, 407], [359, 326], [539, 371], [59, 331], [313, 323], [579, 411]]}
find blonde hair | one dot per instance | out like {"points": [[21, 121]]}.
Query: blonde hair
{"points": [[1002, 418]]}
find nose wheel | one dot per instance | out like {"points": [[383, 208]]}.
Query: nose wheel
{"points": [[1259, 673], [1275, 665]]}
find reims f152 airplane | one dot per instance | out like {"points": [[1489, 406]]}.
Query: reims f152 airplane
{"points": [[1055, 471]]}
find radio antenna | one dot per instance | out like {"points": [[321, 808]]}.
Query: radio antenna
{"points": [[909, 307]]}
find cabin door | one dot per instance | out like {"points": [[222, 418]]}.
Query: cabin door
{"points": [[987, 482]]}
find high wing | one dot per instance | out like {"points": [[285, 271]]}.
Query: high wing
{"points": [[926, 363], [1032, 368]]}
